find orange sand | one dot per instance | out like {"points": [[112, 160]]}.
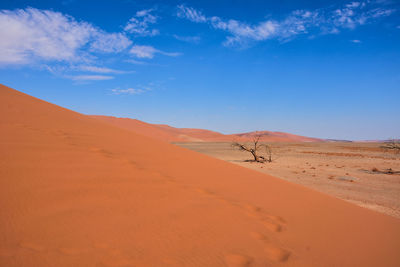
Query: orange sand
{"points": [[172, 134], [76, 191]]}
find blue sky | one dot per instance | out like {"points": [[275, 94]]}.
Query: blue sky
{"points": [[327, 69]]}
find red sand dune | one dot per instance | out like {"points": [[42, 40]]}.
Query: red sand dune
{"points": [[172, 134], [269, 136], [76, 191]]}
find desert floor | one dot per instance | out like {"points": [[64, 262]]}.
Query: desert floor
{"points": [[354, 172]]}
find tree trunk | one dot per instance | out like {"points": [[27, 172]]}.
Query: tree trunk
{"points": [[255, 156]]}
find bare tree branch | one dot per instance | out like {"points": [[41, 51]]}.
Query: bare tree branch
{"points": [[256, 147]]}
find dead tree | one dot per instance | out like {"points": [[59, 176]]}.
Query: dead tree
{"points": [[393, 145], [255, 148]]}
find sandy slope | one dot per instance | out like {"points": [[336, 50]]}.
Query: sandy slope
{"points": [[172, 134], [76, 191]]}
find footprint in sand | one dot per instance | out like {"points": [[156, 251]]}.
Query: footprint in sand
{"points": [[32, 246], [277, 254], [252, 211], [134, 164], [271, 222], [206, 192], [238, 260], [212, 194], [272, 251], [259, 236], [102, 152], [67, 137], [276, 218], [274, 227], [169, 179]]}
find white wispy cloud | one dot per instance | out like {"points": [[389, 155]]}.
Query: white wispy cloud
{"points": [[138, 89], [188, 39], [143, 51], [240, 31], [355, 14], [97, 69], [29, 35], [128, 91], [323, 21], [90, 77], [109, 42], [146, 51], [140, 24], [191, 14], [356, 41]]}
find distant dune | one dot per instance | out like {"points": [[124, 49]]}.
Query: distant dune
{"points": [[171, 134], [268, 136], [78, 191]]}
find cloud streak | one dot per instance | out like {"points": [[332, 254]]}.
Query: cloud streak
{"points": [[191, 14], [128, 91], [139, 25], [91, 78], [96, 69], [330, 20], [146, 51], [31, 35], [187, 39]]}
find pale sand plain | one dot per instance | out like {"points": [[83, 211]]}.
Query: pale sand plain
{"points": [[352, 171], [76, 191]]}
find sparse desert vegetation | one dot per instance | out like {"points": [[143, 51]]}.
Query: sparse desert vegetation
{"points": [[256, 149]]}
